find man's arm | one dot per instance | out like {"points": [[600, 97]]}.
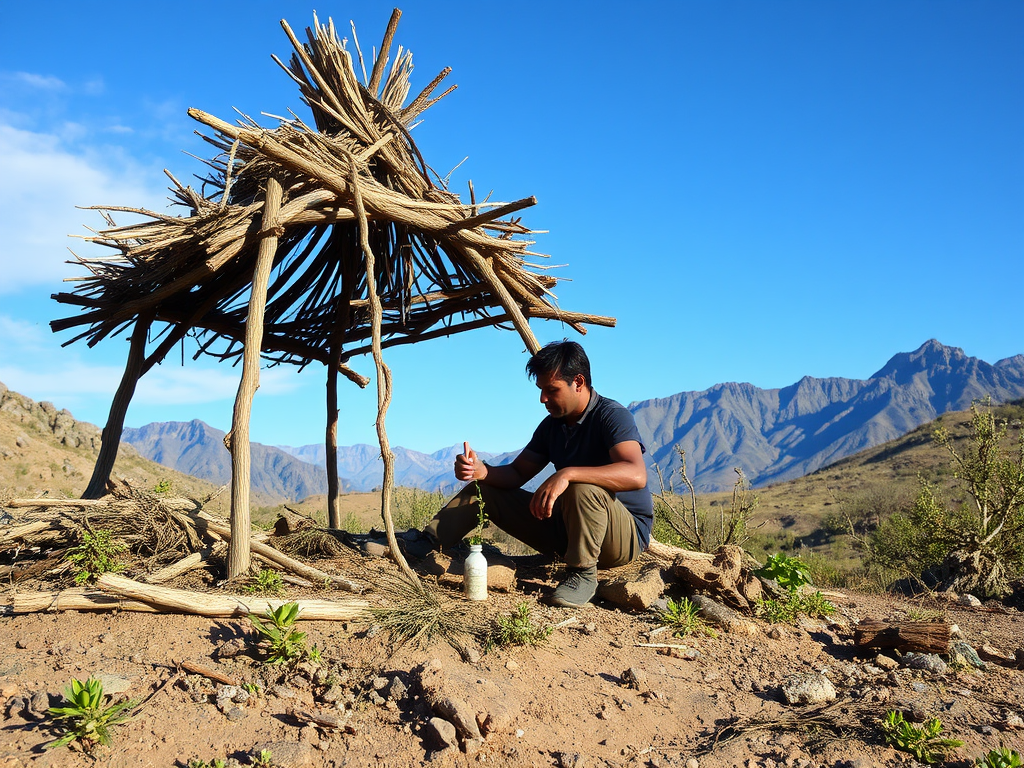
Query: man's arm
{"points": [[625, 472], [515, 475]]}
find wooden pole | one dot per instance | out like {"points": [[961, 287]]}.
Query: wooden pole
{"points": [[238, 551], [383, 383], [111, 438], [331, 439]]}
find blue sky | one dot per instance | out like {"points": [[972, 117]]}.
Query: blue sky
{"points": [[757, 191]]}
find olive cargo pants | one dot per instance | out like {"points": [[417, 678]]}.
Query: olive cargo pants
{"points": [[588, 526]]}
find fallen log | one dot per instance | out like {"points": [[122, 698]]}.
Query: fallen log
{"points": [[75, 599], [225, 606], [26, 529], [666, 554], [919, 636]]}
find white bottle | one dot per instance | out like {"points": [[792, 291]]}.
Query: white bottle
{"points": [[474, 574]]}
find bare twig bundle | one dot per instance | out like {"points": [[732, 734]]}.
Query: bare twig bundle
{"points": [[417, 613], [310, 543]]}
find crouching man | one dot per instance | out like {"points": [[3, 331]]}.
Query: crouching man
{"points": [[595, 511]]}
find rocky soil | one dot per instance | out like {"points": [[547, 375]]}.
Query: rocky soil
{"points": [[602, 690]]}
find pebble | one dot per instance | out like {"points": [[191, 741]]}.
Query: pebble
{"points": [[886, 662], [969, 600], [808, 688], [928, 662], [511, 665], [282, 692], [441, 732], [692, 763], [396, 690]]}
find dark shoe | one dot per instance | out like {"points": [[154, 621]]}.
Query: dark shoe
{"points": [[577, 588]]}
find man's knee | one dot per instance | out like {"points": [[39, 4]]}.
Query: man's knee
{"points": [[582, 497]]}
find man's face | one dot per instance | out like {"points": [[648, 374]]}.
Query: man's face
{"points": [[562, 398]]}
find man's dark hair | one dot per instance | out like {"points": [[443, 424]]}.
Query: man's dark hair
{"points": [[564, 358]]}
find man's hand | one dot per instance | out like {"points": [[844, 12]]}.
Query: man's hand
{"points": [[467, 468], [543, 502]]}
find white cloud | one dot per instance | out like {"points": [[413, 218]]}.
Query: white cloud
{"points": [[41, 82], [44, 180]]}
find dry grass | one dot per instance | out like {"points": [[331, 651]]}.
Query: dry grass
{"points": [[419, 614]]}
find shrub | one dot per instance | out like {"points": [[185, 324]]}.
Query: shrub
{"points": [[284, 643], [87, 718], [788, 572], [1000, 758], [695, 528], [517, 628], [98, 553], [786, 610], [923, 743], [682, 616], [267, 582], [413, 508]]}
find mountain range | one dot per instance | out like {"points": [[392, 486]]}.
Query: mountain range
{"points": [[771, 434]]}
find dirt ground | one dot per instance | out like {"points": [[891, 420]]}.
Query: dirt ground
{"points": [[567, 702]]}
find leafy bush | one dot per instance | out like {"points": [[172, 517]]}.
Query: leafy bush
{"points": [[786, 610], [98, 553], [977, 545], [923, 743], [87, 718], [517, 628], [788, 572], [1000, 758], [682, 616], [267, 582], [284, 643]]}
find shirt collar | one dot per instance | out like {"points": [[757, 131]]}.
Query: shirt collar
{"points": [[586, 411]]}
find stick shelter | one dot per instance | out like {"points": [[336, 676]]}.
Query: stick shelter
{"points": [[311, 243]]}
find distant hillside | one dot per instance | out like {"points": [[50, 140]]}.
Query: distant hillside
{"points": [[196, 448], [45, 450], [780, 434]]}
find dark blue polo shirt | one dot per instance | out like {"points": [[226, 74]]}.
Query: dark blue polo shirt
{"points": [[586, 444]]}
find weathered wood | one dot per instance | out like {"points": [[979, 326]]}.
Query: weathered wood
{"points": [[223, 606], [25, 529], [666, 554], [383, 385], [75, 599], [241, 452], [110, 439], [282, 560], [186, 564], [920, 636], [210, 674]]}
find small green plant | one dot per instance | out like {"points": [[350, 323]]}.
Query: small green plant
{"points": [[97, 554], [162, 487], [267, 582], [786, 610], [517, 628], [284, 643], [788, 572], [1000, 758], [215, 763], [682, 616], [923, 743], [88, 718], [264, 760], [253, 689], [481, 517]]}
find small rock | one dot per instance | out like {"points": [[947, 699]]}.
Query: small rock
{"points": [[511, 665], [776, 633], [38, 705], [638, 593], [282, 692], [963, 653], [372, 631], [471, 655], [441, 733], [808, 688], [570, 760], [332, 694], [723, 616], [376, 699], [107, 637], [886, 662], [918, 686], [690, 654], [590, 628], [501, 574], [929, 662], [991, 653], [229, 649], [16, 706], [235, 714], [396, 689], [436, 563], [374, 549], [21, 441], [969, 600], [285, 753], [379, 682], [458, 713], [113, 684], [1012, 722], [635, 678], [916, 711], [692, 763], [472, 746], [22, 643]]}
